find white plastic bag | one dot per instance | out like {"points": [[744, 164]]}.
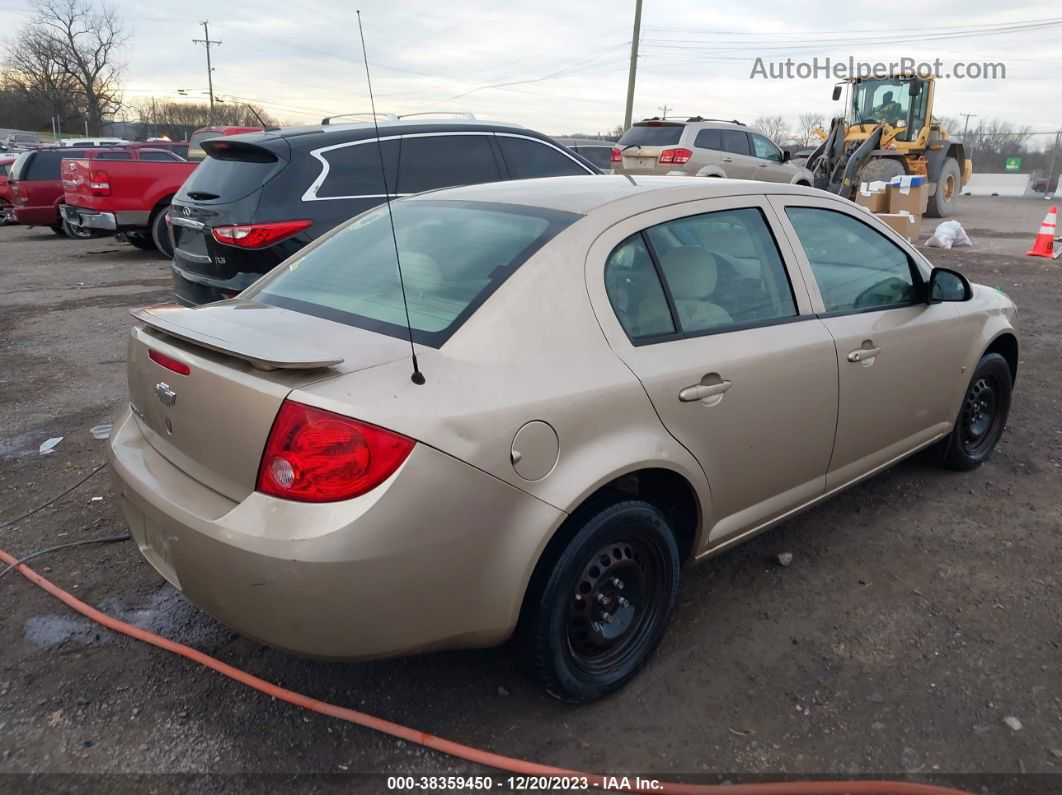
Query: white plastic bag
{"points": [[948, 234]]}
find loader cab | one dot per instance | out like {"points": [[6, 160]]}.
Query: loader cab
{"points": [[901, 102]]}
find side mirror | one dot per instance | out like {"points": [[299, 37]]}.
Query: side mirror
{"points": [[786, 155], [836, 93], [914, 87], [948, 285]]}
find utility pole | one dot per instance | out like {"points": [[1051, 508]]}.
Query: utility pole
{"points": [[966, 126], [663, 111], [1051, 170], [634, 64], [206, 42]]}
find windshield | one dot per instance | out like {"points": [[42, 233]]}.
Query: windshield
{"points": [[890, 101], [651, 135], [453, 255]]}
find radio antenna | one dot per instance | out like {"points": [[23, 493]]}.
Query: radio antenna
{"points": [[418, 376]]}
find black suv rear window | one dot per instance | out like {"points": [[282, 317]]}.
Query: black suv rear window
{"points": [[231, 171], [453, 254], [662, 135]]}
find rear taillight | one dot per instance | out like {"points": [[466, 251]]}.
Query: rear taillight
{"points": [[258, 235], [100, 183], [617, 155], [313, 455], [676, 156], [169, 362]]}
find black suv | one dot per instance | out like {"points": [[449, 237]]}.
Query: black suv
{"points": [[259, 197]]}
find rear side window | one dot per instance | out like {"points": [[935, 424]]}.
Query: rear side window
{"points": [[114, 156], [160, 156], [442, 161], [856, 267], [635, 292], [736, 141], [355, 170], [654, 135], [709, 139], [453, 256], [527, 159]]}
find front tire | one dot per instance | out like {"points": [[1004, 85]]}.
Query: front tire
{"points": [[598, 605], [949, 184], [982, 417]]}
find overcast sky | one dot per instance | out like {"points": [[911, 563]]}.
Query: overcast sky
{"points": [[562, 66]]}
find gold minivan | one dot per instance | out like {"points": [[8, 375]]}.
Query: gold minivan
{"points": [[613, 377]]}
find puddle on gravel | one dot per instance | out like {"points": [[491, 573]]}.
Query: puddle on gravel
{"points": [[165, 613]]}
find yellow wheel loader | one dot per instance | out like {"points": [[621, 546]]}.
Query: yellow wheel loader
{"points": [[889, 130]]}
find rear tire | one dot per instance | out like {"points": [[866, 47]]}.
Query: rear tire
{"points": [[982, 417], [949, 185], [78, 232], [598, 605], [160, 232]]}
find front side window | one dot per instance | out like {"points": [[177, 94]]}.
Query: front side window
{"points": [[765, 150], [736, 141], [856, 267], [453, 256], [723, 269], [442, 161], [635, 292], [528, 159]]}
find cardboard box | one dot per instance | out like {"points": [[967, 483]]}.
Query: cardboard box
{"points": [[873, 197], [908, 193], [905, 224]]}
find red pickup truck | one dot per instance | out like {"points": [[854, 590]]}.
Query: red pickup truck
{"points": [[128, 196], [131, 198]]}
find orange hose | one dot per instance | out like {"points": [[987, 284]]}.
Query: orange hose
{"points": [[466, 752]]}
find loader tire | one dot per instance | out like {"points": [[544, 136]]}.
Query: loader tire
{"points": [[949, 185], [881, 169]]}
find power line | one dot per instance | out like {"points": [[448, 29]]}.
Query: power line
{"points": [[206, 42]]}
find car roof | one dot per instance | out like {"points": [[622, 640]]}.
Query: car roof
{"points": [[354, 130], [585, 194]]}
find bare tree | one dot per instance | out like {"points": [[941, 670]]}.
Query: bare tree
{"points": [[178, 119], [774, 127], [86, 41], [35, 69], [807, 123]]}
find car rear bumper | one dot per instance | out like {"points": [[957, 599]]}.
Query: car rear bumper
{"points": [[97, 219], [436, 557]]}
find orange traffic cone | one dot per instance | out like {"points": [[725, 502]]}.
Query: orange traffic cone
{"points": [[1044, 244]]}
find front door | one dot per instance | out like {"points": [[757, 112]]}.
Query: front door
{"points": [[697, 300], [898, 357]]}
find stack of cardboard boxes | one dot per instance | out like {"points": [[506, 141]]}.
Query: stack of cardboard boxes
{"points": [[899, 203]]}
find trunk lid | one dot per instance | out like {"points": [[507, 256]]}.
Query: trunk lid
{"points": [[242, 360], [641, 145], [76, 177], [643, 160]]}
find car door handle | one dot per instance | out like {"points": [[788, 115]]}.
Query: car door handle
{"points": [[863, 354], [697, 392], [762, 165], [728, 160]]}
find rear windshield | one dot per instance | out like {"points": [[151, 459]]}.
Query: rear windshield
{"points": [[231, 174], [453, 256], [651, 136]]}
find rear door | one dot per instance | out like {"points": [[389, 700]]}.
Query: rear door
{"points": [[737, 159], [707, 149], [442, 160], [898, 358], [699, 302]]}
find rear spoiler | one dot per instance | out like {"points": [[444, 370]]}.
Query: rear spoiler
{"points": [[261, 341]]}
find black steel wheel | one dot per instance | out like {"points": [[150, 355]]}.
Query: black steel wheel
{"points": [[983, 414], [598, 605]]}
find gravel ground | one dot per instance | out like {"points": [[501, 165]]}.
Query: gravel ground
{"points": [[919, 615]]}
